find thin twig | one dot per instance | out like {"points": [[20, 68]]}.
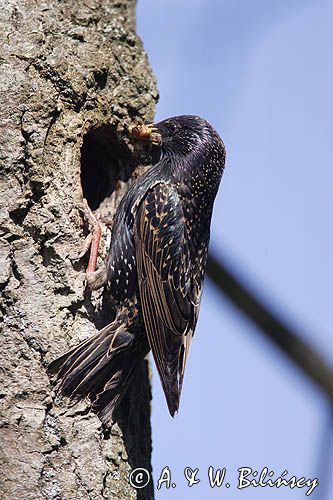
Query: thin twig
{"points": [[289, 341]]}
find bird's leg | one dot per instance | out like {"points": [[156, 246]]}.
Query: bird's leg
{"points": [[95, 279], [96, 237]]}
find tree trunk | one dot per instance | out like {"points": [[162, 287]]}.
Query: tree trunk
{"points": [[71, 73]]}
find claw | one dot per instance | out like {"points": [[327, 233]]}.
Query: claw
{"points": [[84, 250]]}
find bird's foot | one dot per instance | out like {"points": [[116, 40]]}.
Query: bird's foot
{"points": [[95, 279]]}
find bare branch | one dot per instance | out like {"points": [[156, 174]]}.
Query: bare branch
{"points": [[288, 340]]}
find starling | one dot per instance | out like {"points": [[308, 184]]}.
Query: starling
{"points": [[155, 268]]}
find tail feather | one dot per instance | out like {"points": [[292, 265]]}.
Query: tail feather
{"points": [[107, 400], [86, 362], [66, 361], [88, 350], [101, 367]]}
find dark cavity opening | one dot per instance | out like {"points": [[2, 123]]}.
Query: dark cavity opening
{"points": [[104, 160]]}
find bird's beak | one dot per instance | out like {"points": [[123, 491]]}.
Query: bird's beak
{"points": [[145, 133]]}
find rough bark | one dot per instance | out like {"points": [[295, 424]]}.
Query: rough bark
{"points": [[71, 72]]}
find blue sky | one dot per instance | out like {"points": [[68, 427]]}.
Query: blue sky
{"points": [[261, 72]]}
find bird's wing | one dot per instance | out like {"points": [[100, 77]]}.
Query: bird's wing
{"points": [[169, 294]]}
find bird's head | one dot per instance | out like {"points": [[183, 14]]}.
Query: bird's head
{"points": [[179, 135]]}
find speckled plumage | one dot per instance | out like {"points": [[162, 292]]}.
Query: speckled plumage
{"points": [[155, 269]]}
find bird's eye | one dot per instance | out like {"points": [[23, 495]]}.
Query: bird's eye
{"points": [[173, 128]]}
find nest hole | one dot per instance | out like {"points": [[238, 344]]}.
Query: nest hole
{"points": [[104, 161]]}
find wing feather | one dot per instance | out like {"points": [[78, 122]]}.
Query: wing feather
{"points": [[168, 290]]}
